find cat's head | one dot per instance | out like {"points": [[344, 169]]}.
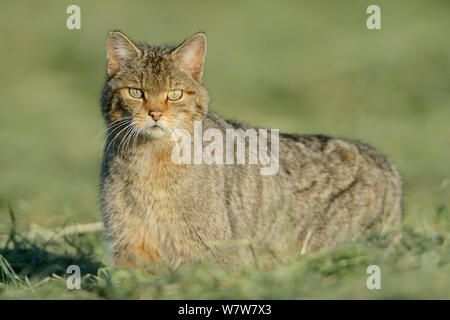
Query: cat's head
{"points": [[154, 89]]}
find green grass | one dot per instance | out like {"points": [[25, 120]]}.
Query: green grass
{"points": [[300, 66], [413, 265]]}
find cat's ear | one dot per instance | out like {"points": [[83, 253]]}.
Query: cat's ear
{"points": [[118, 49], [190, 56]]}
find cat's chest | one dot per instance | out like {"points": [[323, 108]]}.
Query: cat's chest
{"points": [[146, 183], [143, 201]]}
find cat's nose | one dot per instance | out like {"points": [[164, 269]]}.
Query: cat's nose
{"points": [[155, 114]]}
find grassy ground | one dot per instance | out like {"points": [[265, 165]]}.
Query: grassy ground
{"points": [[33, 265], [300, 66]]}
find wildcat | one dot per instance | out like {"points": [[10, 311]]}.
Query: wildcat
{"points": [[155, 210]]}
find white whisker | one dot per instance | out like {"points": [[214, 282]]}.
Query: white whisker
{"points": [[112, 141], [113, 129], [112, 125]]}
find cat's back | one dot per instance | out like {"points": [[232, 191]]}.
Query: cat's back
{"points": [[343, 186], [331, 164], [333, 186]]}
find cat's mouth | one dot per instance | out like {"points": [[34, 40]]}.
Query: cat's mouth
{"points": [[155, 130], [156, 127], [152, 126]]}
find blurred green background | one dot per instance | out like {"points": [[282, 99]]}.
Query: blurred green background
{"points": [[300, 66]]}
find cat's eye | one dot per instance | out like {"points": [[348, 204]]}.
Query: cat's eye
{"points": [[136, 93], [174, 94]]}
